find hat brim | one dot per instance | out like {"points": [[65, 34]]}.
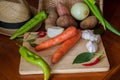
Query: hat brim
{"points": [[9, 32], [6, 31]]}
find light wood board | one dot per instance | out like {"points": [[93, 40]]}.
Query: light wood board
{"points": [[65, 64]]}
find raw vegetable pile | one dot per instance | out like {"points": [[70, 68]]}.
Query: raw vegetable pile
{"points": [[65, 27]]}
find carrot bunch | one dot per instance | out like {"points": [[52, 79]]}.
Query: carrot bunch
{"points": [[68, 39]]}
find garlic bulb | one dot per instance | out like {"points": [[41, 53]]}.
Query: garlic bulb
{"points": [[92, 46], [89, 35]]}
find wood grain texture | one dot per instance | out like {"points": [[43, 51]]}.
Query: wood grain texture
{"points": [[9, 57]]}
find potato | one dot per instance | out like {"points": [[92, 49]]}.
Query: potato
{"points": [[89, 22], [66, 21]]}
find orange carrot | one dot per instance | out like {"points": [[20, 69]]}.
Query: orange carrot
{"points": [[65, 47], [68, 33]]}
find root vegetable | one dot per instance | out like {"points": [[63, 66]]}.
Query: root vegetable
{"points": [[62, 9], [68, 33], [65, 47], [89, 22], [66, 21]]}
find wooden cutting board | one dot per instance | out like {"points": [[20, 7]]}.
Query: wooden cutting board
{"points": [[65, 64]]}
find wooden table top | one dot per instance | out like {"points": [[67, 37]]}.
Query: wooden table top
{"points": [[10, 58]]}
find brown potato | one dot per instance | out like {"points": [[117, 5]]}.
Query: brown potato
{"points": [[89, 22], [66, 21]]}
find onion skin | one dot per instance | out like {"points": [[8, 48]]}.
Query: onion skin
{"points": [[80, 11]]}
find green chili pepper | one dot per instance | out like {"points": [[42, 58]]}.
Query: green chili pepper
{"points": [[112, 29], [30, 24], [96, 12], [93, 1], [35, 59]]}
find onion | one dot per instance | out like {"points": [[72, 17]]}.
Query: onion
{"points": [[54, 31], [80, 11]]}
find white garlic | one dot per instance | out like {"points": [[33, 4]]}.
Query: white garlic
{"points": [[92, 46], [54, 31], [89, 35]]}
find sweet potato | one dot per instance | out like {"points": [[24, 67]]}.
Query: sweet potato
{"points": [[62, 9]]}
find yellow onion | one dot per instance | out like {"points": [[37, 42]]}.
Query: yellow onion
{"points": [[80, 11]]}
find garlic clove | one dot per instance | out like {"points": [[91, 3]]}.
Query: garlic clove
{"points": [[92, 46]]}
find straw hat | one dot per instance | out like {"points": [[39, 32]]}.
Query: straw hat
{"points": [[12, 16]]}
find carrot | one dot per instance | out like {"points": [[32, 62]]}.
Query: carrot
{"points": [[68, 33], [65, 47]]}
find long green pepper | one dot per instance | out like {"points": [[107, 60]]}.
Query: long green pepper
{"points": [[35, 59], [30, 24], [109, 27], [96, 12]]}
